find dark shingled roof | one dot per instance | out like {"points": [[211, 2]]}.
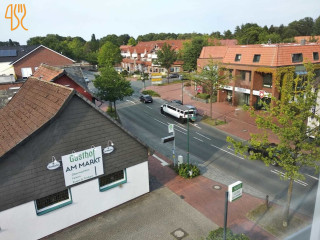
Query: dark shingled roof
{"points": [[34, 105], [21, 52]]}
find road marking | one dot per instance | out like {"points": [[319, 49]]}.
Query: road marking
{"points": [[203, 136], [149, 107], [179, 127], [312, 177], [130, 101], [181, 131], [227, 152], [198, 139], [196, 125], [163, 163], [282, 174], [160, 121]]}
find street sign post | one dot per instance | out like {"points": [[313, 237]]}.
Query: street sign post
{"points": [[235, 191], [169, 139]]}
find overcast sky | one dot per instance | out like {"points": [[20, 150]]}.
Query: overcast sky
{"points": [[137, 17]]}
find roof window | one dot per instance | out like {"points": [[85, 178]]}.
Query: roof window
{"points": [[297, 57], [237, 58], [256, 58], [315, 56]]}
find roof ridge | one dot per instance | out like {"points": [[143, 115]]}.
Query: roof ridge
{"points": [[52, 83]]}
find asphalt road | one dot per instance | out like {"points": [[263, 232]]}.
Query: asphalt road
{"points": [[209, 150]]}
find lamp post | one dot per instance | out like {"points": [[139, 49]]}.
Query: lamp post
{"points": [[188, 147], [181, 88]]}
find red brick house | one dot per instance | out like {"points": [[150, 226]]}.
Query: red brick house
{"points": [[69, 76], [22, 61], [253, 68]]}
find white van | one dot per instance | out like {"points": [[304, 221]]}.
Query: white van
{"points": [[178, 111]]}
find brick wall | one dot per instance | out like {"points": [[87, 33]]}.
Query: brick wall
{"points": [[66, 81], [41, 55]]}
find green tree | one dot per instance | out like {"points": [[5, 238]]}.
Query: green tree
{"points": [[76, 46], [316, 26], [166, 57], [211, 78], [286, 118], [227, 34], [132, 42], [112, 86], [191, 52], [109, 55]]}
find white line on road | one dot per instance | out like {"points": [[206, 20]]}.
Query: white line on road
{"points": [[227, 152], [163, 163], [312, 177], [181, 131], [160, 121], [130, 101], [203, 136], [282, 174], [196, 125], [198, 139], [149, 107]]}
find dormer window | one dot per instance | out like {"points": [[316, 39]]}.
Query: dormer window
{"points": [[297, 57], [256, 58], [315, 56], [237, 58]]}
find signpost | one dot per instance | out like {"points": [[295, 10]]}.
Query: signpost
{"points": [[83, 165], [234, 192], [261, 94], [171, 138]]}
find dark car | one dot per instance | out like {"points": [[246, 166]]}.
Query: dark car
{"points": [[176, 101], [263, 151], [146, 99], [174, 75]]}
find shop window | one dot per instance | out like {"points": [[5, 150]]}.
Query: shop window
{"points": [[53, 202], [237, 58], [297, 57], [112, 180], [267, 80], [256, 58], [315, 56]]}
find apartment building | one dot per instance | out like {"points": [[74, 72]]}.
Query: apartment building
{"points": [[140, 57], [253, 68]]}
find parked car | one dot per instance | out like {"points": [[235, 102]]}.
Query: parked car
{"points": [[174, 75], [86, 80], [146, 99], [176, 101], [193, 108], [263, 151]]}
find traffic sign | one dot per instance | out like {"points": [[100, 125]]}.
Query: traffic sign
{"points": [[171, 128], [167, 139], [261, 94]]}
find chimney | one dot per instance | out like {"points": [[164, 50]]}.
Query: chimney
{"points": [[303, 42]]}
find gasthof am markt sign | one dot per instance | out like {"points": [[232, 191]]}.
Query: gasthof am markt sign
{"points": [[81, 166], [235, 191]]}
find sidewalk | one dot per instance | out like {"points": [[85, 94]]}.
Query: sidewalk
{"points": [[201, 194], [239, 123]]}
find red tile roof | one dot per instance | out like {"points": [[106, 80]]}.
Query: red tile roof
{"points": [[47, 73], [33, 106], [307, 38], [273, 55]]}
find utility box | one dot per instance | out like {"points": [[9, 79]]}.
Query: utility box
{"points": [[180, 160]]}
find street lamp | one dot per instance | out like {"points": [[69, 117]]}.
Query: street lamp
{"points": [[181, 78]]}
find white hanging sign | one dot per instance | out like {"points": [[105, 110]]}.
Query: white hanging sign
{"points": [[83, 165]]}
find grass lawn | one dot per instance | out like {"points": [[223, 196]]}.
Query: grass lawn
{"points": [[270, 219], [212, 122]]}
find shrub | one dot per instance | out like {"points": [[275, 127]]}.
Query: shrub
{"points": [[184, 171], [151, 93], [124, 73], [187, 84], [204, 96], [218, 235]]}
